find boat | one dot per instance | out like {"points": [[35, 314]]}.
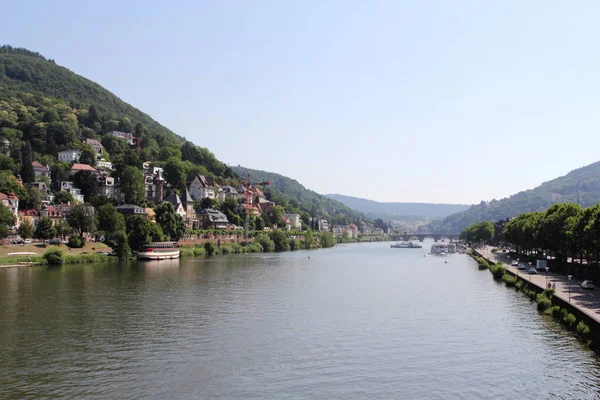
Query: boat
{"points": [[409, 245], [439, 249], [158, 251]]}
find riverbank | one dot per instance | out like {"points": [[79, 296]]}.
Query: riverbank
{"points": [[575, 314]]}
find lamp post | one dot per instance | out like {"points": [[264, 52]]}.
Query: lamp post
{"points": [[546, 268], [569, 276]]}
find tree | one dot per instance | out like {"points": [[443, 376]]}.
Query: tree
{"points": [[27, 173], [121, 245], [275, 213], [34, 198], [88, 155], [7, 219], [44, 229], [132, 183], [171, 223], [206, 202], [62, 229], [259, 223], [309, 241], [110, 220], [175, 173], [479, 232], [87, 182], [141, 230], [280, 239], [81, 219], [25, 230], [63, 198], [380, 224]]}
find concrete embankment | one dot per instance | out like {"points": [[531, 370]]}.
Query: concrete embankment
{"points": [[567, 295]]}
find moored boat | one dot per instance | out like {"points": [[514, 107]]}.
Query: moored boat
{"points": [[158, 251], [409, 245]]}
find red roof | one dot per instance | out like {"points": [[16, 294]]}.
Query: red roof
{"points": [[31, 212], [3, 196], [37, 164], [82, 167]]}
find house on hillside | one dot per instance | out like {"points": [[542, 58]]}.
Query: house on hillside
{"points": [[11, 201], [95, 144], [295, 221], [76, 167], [123, 135], [4, 146], [71, 155], [352, 231], [31, 215], [154, 184], [129, 209], [200, 188], [212, 219], [287, 222], [69, 187], [47, 196], [177, 204], [226, 191], [103, 164], [185, 208], [107, 187], [40, 170]]}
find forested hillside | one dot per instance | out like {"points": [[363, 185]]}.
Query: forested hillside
{"points": [[394, 210], [284, 190], [581, 186]]}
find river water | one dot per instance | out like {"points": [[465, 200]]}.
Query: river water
{"points": [[353, 322]]}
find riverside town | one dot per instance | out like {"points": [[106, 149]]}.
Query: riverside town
{"points": [[299, 200]]}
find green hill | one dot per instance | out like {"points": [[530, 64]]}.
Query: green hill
{"points": [[580, 186], [284, 190], [396, 210], [46, 108]]}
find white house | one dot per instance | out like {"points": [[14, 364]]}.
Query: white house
{"points": [[123, 135], [40, 170], [69, 155], [69, 187], [102, 163], [200, 189], [295, 220]]}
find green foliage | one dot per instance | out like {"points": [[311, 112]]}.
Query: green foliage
{"points": [[543, 302], [583, 330], [76, 242], [63, 198], [121, 245], [265, 242], [293, 244], [509, 280], [132, 185], [8, 184], [53, 256], [7, 219], [25, 229], [141, 230], [555, 311], [175, 173], [497, 270], [209, 248], [309, 240], [171, 223], [280, 240], [327, 240], [479, 232], [110, 220], [81, 219], [44, 229], [567, 318]]}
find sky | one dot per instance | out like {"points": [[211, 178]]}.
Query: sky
{"points": [[409, 101]]}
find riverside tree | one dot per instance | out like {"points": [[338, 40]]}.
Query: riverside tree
{"points": [[132, 183], [171, 223], [25, 229], [110, 220], [44, 229], [6, 219]]}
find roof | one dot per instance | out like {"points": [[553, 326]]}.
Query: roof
{"points": [[82, 167], [187, 197], [94, 142], [37, 164], [126, 207], [214, 215], [11, 196], [31, 212], [173, 199]]}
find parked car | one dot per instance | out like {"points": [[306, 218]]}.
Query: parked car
{"points": [[27, 241], [532, 271], [522, 267], [514, 263], [588, 284], [54, 241]]}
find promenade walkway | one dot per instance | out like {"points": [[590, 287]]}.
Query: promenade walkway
{"points": [[586, 301]]}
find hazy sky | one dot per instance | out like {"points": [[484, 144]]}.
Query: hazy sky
{"points": [[432, 101]]}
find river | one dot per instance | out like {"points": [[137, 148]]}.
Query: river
{"points": [[353, 322]]}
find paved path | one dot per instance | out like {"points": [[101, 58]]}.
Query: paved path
{"points": [[587, 301]]}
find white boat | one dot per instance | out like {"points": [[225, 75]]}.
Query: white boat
{"points": [[158, 251], [439, 249], [409, 245]]}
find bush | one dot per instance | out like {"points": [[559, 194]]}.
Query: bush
{"points": [[555, 312], [254, 248], [543, 303], [293, 244], [209, 248], [510, 280], [76, 242], [497, 270], [519, 285], [199, 251], [583, 330], [567, 318], [54, 257], [548, 293], [265, 242], [186, 252], [226, 249]]}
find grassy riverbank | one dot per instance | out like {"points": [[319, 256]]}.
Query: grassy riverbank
{"points": [[545, 301]]}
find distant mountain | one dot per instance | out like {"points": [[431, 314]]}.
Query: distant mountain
{"points": [[286, 190], [580, 186], [398, 211]]}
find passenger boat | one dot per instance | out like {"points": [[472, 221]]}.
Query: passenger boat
{"points": [[439, 249], [158, 251], [409, 245]]}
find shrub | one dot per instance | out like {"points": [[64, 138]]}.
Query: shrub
{"points": [[54, 257], [543, 303], [186, 252], [497, 270], [509, 280], [583, 330], [254, 248], [226, 249], [293, 244], [567, 318], [209, 248], [555, 312], [199, 251], [76, 242], [519, 285], [266, 243], [548, 293]]}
